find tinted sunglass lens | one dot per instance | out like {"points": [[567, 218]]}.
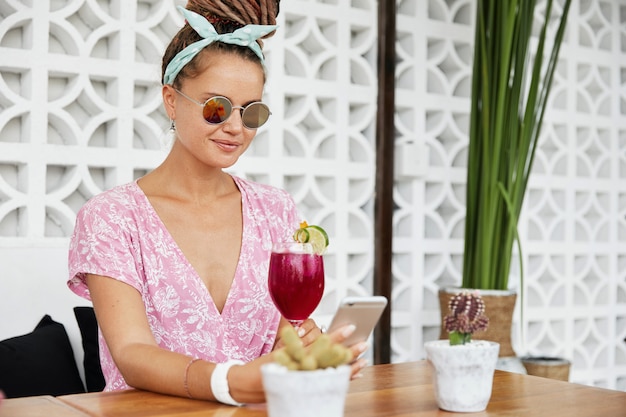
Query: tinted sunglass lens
{"points": [[255, 115], [217, 110]]}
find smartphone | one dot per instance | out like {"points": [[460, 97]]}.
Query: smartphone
{"points": [[363, 312]]}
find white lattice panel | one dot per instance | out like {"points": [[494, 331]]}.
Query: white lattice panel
{"points": [[80, 112], [573, 226]]}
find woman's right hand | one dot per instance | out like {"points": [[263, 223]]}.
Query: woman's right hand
{"points": [[339, 336]]}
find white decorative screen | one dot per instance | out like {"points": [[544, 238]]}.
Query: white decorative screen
{"points": [[573, 226], [80, 112]]}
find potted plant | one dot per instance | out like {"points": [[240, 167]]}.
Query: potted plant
{"points": [[463, 369], [307, 382], [508, 102]]}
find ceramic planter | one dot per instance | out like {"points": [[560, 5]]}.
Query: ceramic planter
{"points": [[305, 393], [462, 374], [547, 367], [499, 307]]}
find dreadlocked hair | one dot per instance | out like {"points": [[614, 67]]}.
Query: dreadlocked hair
{"points": [[226, 16], [243, 12]]}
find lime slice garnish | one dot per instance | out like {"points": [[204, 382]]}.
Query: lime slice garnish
{"points": [[318, 239], [315, 235]]}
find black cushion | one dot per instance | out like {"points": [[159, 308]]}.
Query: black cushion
{"points": [[39, 363], [88, 325]]}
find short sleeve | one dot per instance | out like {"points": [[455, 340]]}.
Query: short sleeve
{"points": [[103, 243]]}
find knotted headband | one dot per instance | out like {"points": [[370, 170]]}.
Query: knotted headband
{"points": [[244, 36]]}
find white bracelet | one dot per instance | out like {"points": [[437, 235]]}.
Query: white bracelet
{"points": [[219, 382]]}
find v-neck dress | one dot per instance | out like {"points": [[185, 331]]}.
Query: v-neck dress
{"points": [[119, 235]]}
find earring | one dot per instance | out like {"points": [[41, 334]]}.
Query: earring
{"points": [[169, 137]]}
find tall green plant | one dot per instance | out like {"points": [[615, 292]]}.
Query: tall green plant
{"points": [[509, 95]]}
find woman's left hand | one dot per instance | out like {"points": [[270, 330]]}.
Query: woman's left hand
{"points": [[308, 332]]}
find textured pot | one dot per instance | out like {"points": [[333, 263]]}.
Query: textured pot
{"points": [[305, 393], [547, 367], [462, 374], [499, 307]]}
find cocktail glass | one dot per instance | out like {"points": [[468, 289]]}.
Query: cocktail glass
{"points": [[295, 280]]}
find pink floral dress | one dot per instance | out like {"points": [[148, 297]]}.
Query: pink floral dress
{"points": [[119, 235]]}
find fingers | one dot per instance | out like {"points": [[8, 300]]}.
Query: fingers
{"points": [[357, 367], [357, 349], [308, 332], [342, 333], [359, 363]]}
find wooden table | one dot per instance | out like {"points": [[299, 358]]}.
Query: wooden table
{"points": [[384, 391], [43, 405]]}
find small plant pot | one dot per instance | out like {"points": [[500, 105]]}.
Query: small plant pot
{"points": [[547, 367], [499, 307], [305, 393], [462, 374]]}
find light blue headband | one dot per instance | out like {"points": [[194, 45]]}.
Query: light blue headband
{"points": [[245, 36]]}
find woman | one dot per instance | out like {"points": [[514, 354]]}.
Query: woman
{"points": [[175, 263]]}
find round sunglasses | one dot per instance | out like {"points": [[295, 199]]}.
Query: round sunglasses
{"points": [[216, 110]]}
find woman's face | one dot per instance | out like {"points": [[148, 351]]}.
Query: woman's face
{"points": [[228, 75]]}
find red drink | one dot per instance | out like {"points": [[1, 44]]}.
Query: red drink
{"points": [[296, 284]]}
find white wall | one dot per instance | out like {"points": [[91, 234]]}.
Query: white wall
{"points": [[31, 285]]}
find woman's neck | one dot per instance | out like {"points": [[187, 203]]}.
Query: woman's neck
{"points": [[189, 180]]}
